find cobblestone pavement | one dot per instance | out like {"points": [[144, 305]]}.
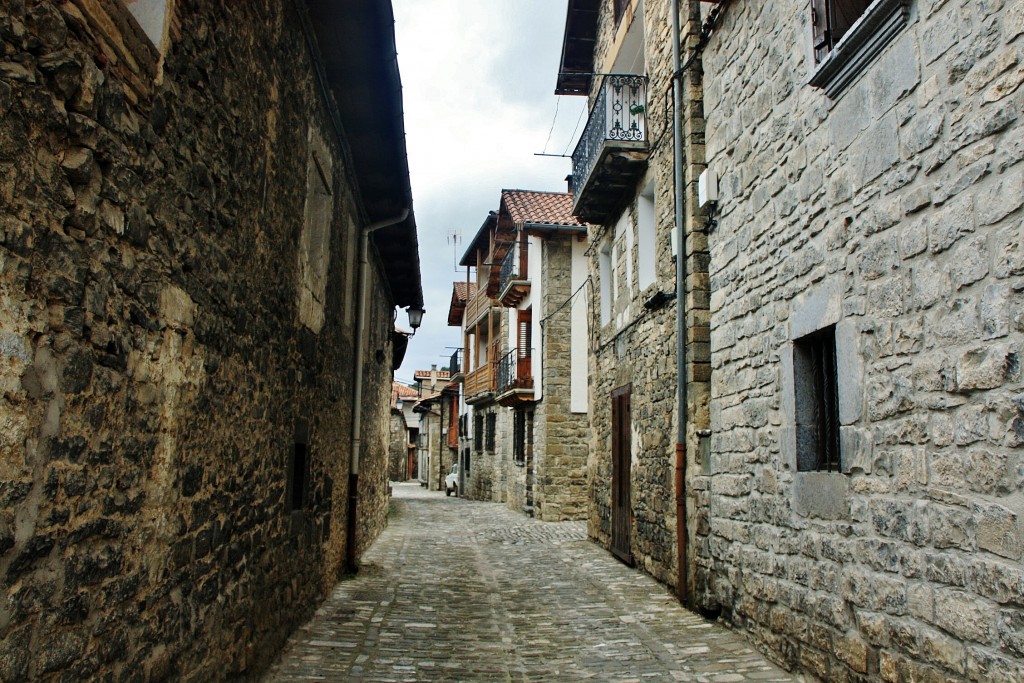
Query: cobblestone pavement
{"points": [[456, 590]]}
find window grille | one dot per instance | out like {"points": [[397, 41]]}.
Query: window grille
{"points": [[492, 419], [519, 437], [478, 432]]}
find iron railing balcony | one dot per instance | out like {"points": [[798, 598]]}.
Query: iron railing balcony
{"points": [[513, 283], [455, 365], [515, 378], [613, 150]]}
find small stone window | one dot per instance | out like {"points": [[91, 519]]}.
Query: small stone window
{"points": [[492, 419], [816, 384], [298, 477], [848, 34], [466, 460]]}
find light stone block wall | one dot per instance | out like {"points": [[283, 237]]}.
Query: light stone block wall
{"points": [[895, 213], [638, 346], [560, 436]]}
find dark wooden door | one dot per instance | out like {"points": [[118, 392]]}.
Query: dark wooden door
{"points": [[622, 514]]}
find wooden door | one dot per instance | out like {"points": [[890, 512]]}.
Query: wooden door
{"points": [[622, 513]]}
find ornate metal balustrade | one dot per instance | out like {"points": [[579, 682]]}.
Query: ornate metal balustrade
{"points": [[612, 152], [515, 371], [509, 267]]}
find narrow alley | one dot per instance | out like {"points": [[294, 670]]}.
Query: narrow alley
{"points": [[456, 590]]}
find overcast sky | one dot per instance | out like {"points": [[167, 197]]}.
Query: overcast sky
{"points": [[478, 82]]}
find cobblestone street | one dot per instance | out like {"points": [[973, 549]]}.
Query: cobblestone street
{"points": [[456, 590]]}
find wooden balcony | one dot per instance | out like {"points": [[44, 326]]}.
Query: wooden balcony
{"points": [[478, 307], [480, 384], [612, 153]]}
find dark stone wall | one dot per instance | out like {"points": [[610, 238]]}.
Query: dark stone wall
{"points": [[154, 371]]}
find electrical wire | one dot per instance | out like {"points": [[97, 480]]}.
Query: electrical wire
{"points": [[573, 136], [558, 102]]}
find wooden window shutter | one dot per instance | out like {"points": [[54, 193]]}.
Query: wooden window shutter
{"points": [[525, 340]]}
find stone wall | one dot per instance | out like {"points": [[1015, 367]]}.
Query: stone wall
{"points": [[560, 437], [398, 448], [156, 380], [892, 212], [637, 346]]}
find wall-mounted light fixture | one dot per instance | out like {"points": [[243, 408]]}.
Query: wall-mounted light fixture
{"points": [[415, 317]]}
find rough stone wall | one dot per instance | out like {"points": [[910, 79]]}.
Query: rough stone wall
{"points": [[893, 212], [155, 377], [637, 347], [398, 448], [560, 436]]}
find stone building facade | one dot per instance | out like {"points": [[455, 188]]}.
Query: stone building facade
{"points": [[623, 186], [869, 238], [523, 316], [179, 238]]}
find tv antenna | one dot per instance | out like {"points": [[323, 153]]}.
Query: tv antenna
{"points": [[455, 239]]}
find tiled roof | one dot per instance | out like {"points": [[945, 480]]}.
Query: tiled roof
{"points": [[464, 291], [399, 389], [548, 208]]}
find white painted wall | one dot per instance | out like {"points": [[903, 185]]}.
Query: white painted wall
{"points": [[645, 228]]}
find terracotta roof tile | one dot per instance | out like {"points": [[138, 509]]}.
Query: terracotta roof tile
{"points": [[549, 208], [464, 291]]}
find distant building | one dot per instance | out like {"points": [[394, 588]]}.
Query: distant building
{"points": [[404, 433], [524, 387]]}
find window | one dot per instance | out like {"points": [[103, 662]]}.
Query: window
{"points": [[478, 432], [466, 458], [298, 477], [645, 218], [620, 7], [848, 34], [519, 437], [605, 273], [492, 419], [832, 19], [817, 402]]}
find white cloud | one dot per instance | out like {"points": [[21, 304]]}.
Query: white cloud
{"points": [[478, 86]]}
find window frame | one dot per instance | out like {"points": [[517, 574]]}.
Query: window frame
{"points": [[816, 386], [848, 57]]}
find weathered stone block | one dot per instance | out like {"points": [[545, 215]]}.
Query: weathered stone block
{"points": [[964, 616], [823, 495], [999, 531]]}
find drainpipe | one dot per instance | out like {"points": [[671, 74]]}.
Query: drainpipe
{"points": [[357, 398], [682, 537]]}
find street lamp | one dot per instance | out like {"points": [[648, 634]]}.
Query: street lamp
{"points": [[415, 317]]}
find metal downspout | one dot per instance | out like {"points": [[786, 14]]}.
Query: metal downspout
{"points": [[357, 395], [682, 537]]}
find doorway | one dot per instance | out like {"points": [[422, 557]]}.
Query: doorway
{"points": [[622, 458]]}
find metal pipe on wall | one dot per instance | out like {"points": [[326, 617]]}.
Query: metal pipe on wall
{"points": [[682, 537], [357, 394]]}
